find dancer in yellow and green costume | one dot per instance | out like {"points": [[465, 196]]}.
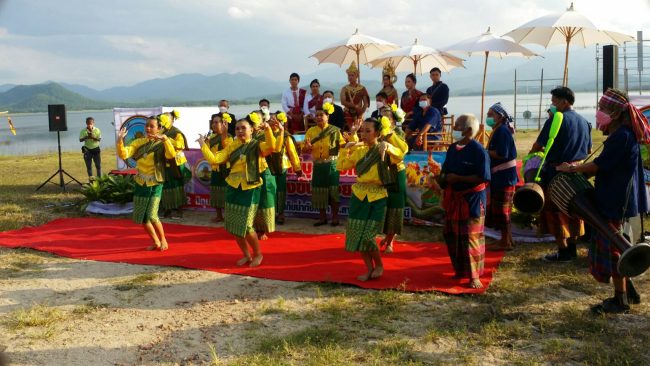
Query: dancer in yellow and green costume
{"points": [[150, 153], [246, 158], [176, 173], [280, 162], [397, 193], [323, 142], [372, 161], [218, 140]]}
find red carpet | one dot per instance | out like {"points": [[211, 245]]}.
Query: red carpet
{"points": [[287, 256]]}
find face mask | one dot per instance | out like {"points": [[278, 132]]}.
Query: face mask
{"points": [[490, 122], [223, 109], [457, 135], [602, 120], [380, 105], [265, 110], [423, 104], [553, 109], [327, 100]]}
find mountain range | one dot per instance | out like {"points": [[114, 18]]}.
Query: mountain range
{"points": [[198, 89]]}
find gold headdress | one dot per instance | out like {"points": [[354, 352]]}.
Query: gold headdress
{"points": [[389, 70], [353, 68]]}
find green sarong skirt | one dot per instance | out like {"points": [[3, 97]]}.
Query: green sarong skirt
{"points": [[324, 185], [241, 206], [281, 183], [217, 190], [174, 190], [396, 202], [145, 203], [265, 217], [364, 224]]}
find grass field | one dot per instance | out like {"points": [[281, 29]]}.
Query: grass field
{"points": [[534, 313]]}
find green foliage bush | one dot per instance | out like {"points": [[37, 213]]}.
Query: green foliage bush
{"points": [[109, 189]]}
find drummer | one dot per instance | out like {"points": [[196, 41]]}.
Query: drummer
{"points": [[619, 190], [571, 146], [503, 167]]}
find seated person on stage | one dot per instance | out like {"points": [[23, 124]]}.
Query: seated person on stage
{"points": [[354, 97], [293, 100], [425, 119], [380, 101], [336, 118]]}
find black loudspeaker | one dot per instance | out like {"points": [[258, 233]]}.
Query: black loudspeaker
{"points": [[610, 67], [56, 113]]}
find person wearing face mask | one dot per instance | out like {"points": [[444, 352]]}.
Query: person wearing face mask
{"points": [[619, 190], [572, 145], [503, 168], [265, 106], [425, 119], [336, 118], [224, 105], [313, 102], [380, 100], [464, 177]]}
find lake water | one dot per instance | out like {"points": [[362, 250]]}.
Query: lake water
{"points": [[33, 136]]}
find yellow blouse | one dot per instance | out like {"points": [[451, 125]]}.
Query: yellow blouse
{"points": [[290, 157], [320, 149], [179, 145], [237, 176], [369, 184], [401, 144], [146, 168], [214, 149]]}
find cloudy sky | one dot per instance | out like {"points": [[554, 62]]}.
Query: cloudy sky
{"points": [[122, 42]]}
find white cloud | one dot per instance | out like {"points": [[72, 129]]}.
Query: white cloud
{"points": [[238, 13]]}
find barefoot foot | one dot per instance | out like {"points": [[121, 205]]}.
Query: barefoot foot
{"points": [[377, 272], [154, 246], [365, 277], [163, 246], [262, 236], [243, 261], [389, 249], [257, 260], [475, 283]]}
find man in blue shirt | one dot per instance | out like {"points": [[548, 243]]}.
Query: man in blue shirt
{"points": [[426, 118], [572, 145], [438, 91]]}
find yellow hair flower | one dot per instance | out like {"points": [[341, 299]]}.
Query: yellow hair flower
{"points": [[393, 107], [282, 117], [385, 126], [226, 118], [176, 114], [328, 108], [254, 118], [165, 121]]}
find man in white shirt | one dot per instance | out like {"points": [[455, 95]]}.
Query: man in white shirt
{"points": [[293, 100]]}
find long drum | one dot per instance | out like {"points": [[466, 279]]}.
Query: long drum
{"points": [[529, 198], [573, 195]]}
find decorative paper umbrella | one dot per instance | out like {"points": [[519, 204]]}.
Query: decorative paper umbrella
{"points": [[565, 28], [417, 57], [489, 44], [358, 47]]}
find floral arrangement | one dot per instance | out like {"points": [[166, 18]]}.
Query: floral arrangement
{"points": [[328, 108]]}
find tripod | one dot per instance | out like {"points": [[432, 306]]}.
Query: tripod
{"points": [[60, 172]]}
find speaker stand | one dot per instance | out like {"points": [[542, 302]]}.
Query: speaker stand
{"points": [[60, 172]]}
